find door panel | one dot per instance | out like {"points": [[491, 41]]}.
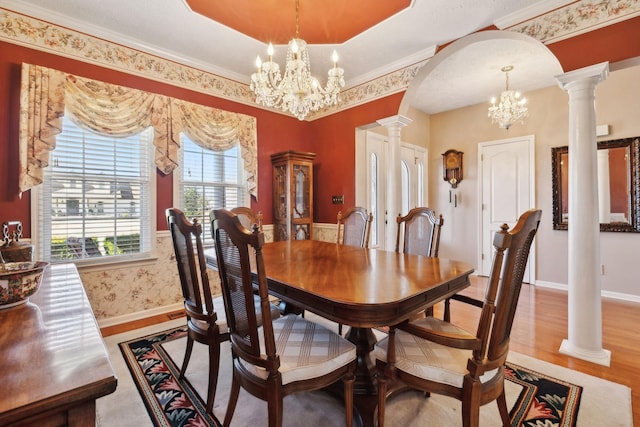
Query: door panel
{"points": [[506, 168]]}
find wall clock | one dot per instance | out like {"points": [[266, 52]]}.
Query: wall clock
{"points": [[452, 167]]}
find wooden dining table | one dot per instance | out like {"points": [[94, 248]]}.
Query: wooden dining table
{"points": [[362, 288]]}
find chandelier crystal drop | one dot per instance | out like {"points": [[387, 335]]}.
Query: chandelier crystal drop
{"points": [[511, 109], [297, 91]]}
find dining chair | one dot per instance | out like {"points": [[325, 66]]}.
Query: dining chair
{"points": [[421, 232], [439, 357], [206, 316], [248, 217], [421, 235], [206, 319], [353, 230], [354, 227], [285, 355]]}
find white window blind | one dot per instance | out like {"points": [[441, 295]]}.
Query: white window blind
{"points": [[209, 180], [96, 200]]}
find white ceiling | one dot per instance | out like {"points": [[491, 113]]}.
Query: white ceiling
{"points": [[168, 28]]}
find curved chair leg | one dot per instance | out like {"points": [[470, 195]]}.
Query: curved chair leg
{"points": [[233, 399], [504, 411], [214, 364], [187, 356]]}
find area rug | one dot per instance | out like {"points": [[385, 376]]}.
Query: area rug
{"points": [[535, 399]]}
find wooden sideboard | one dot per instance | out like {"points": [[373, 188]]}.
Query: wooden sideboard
{"points": [[53, 361]]}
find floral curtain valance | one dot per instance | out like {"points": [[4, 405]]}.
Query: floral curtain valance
{"points": [[119, 111]]}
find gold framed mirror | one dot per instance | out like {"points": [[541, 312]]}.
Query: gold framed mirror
{"points": [[619, 189]]}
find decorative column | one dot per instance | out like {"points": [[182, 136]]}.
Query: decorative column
{"points": [[585, 303], [394, 124]]}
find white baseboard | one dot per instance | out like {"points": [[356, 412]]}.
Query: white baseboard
{"points": [[605, 294], [551, 285], [125, 318]]}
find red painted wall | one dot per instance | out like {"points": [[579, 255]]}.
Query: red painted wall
{"points": [[334, 144]]}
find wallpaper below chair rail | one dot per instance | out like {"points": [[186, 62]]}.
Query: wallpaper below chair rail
{"points": [[127, 290]]}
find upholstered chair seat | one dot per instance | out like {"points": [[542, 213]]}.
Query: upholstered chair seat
{"points": [[307, 350], [428, 360]]}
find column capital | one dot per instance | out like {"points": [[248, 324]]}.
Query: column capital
{"points": [[394, 121], [596, 73]]}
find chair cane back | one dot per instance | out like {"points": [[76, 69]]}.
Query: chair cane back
{"points": [[354, 227]]}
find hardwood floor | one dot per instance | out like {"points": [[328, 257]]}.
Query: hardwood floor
{"points": [[540, 326], [148, 321]]}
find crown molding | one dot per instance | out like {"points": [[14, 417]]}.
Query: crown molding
{"points": [[530, 12]]}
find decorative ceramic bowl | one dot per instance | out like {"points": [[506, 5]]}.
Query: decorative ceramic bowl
{"points": [[18, 281]]}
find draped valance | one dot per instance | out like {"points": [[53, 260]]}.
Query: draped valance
{"points": [[119, 111]]}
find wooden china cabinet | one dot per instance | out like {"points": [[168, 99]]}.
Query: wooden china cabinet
{"points": [[292, 195]]}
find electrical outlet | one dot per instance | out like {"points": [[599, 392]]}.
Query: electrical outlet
{"points": [[337, 200]]}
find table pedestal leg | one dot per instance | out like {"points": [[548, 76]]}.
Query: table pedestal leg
{"points": [[364, 340]]}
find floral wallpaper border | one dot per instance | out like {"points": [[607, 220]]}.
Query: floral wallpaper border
{"points": [[568, 21], [578, 18]]}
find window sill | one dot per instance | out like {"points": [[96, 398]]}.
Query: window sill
{"points": [[91, 265]]}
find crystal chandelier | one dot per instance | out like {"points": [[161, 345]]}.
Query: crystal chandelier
{"points": [[297, 91], [511, 107]]}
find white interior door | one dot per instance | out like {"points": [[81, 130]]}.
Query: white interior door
{"points": [[506, 168], [371, 173]]}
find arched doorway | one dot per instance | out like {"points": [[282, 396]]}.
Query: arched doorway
{"points": [[454, 88]]}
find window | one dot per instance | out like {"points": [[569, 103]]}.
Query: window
{"points": [[97, 201], [209, 180]]}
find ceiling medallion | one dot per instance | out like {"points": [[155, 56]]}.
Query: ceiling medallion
{"points": [[511, 108], [297, 91]]}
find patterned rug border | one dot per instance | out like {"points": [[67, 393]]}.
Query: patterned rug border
{"points": [[175, 403], [191, 414], [553, 408]]}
